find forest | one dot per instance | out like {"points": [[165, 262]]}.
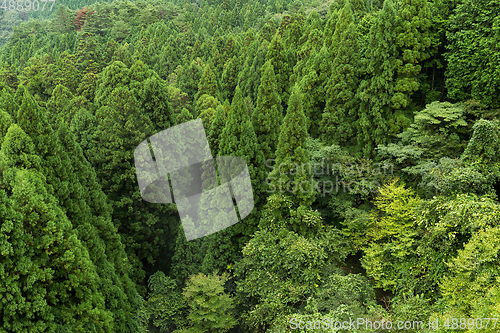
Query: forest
{"points": [[371, 137]]}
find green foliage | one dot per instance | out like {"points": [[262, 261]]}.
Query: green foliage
{"points": [[276, 54], [389, 238], [268, 116], [472, 287], [441, 227], [165, 302], [293, 189], [5, 122], [44, 261], [278, 272], [210, 307], [238, 139], [81, 87], [339, 114], [439, 130], [472, 52]]}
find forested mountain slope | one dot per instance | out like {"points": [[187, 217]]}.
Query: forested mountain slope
{"points": [[370, 130]]}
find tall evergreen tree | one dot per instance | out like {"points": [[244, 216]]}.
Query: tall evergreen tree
{"points": [[230, 78], [413, 41], [8, 103], [5, 121], [377, 120], [276, 53], [208, 83], [269, 113], [249, 78], [339, 116], [293, 189], [216, 127], [238, 139], [122, 126], [44, 262], [473, 52]]}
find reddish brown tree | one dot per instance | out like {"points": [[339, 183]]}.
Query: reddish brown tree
{"points": [[80, 18]]}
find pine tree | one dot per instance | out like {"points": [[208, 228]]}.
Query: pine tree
{"points": [[313, 86], [413, 41], [190, 77], [69, 75], [152, 94], [216, 127], [377, 120], [339, 116], [8, 103], [63, 22], [183, 117], [208, 83], [58, 105], [473, 52], [122, 126], [249, 78], [293, 189], [44, 262], [88, 209], [230, 78], [237, 139], [114, 76], [5, 122], [88, 86], [73, 182], [276, 53], [269, 114], [84, 126]]}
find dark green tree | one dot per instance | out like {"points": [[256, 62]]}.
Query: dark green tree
{"points": [[338, 123], [473, 52], [292, 187], [268, 116], [238, 139], [377, 121]]}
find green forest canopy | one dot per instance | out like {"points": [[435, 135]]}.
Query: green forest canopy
{"points": [[387, 110]]}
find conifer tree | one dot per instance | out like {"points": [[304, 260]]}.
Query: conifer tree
{"points": [[208, 83], [313, 85], [183, 117], [339, 116], [89, 211], [73, 182], [114, 76], [230, 78], [377, 120], [88, 86], [5, 122], [268, 30], [249, 78], [472, 57], [44, 262], [276, 53], [413, 41], [68, 75], [216, 127], [269, 114], [307, 50], [293, 189], [83, 126], [238, 139], [189, 78], [58, 105], [7, 102], [122, 126], [152, 94]]}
